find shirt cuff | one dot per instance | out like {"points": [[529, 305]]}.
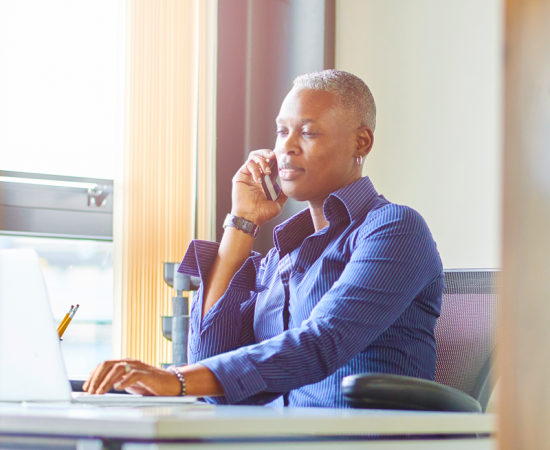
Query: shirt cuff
{"points": [[237, 374], [200, 257]]}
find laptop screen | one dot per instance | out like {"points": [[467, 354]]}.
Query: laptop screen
{"points": [[31, 366]]}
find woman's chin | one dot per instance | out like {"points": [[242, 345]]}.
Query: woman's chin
{"points": [[294, 192], [297, 196]]}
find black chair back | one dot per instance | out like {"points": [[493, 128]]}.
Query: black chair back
{"points": [[466, 332]]}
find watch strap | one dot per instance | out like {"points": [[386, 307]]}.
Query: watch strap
{"points": [[242, 224]]}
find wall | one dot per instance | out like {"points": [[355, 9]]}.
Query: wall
{"points": [[262, 47], [435, 72]]}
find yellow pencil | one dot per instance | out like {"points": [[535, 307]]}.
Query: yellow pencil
{"points": [[68, 321], [64, 319]]}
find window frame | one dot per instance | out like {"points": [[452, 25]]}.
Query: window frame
{"points": [[56, 211]]}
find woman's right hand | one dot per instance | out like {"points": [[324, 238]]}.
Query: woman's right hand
{"points": [[248, 198]]}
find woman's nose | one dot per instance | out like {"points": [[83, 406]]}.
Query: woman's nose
{"points": [[290, 144]]}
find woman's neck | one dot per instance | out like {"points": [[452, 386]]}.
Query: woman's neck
{"points": [[317, 215]]}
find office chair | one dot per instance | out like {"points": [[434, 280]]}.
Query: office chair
{"points": [[465, 336]]}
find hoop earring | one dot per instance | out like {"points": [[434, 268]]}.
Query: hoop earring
{"points": [[359, 160]]}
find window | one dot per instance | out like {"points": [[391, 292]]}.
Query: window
{"points": [[77, 272], [61, 99]]}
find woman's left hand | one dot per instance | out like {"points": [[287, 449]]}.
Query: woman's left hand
{"points": [[132, 376]]}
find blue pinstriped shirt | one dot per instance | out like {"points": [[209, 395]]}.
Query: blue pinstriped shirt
{"points": [[361, 295]]}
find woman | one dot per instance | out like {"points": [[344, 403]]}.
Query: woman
{"points": [[352, 285]]}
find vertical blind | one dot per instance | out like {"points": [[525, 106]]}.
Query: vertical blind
{"points": [[168, 181]]}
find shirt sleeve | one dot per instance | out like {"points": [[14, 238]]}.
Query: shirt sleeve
{"points": [[388, 268], [229, 323]]}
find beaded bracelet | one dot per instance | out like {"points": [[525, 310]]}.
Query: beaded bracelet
{"points": [[181, 379]]}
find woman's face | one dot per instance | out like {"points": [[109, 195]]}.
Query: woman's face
{"points": [[318, 142]]}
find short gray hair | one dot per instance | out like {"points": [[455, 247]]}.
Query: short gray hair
{"points": [[351, 90]]}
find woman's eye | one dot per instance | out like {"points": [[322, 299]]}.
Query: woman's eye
{"points": [[282, 132]]}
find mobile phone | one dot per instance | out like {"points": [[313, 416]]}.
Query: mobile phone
{"points": [[270, 182]]}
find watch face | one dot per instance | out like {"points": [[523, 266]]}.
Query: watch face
{"points": [[246, 225], [241, 224]]}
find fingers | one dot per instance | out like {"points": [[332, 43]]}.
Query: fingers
{"points": [[99, 374], [150, 382], [258, 163], [139, 379], [133, 376], [255, 171], [86, 384], [116, 373], [265, 153], [90, 382]]}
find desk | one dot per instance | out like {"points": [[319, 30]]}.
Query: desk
{"points": [[233, 426]]}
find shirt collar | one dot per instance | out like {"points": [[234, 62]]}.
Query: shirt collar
{"points": [[290, 234], [350, 203], [356, 199]]}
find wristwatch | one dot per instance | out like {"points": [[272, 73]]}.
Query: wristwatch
{"points": [[239, 223]]}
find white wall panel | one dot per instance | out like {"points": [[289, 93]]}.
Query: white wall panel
{"points": [[435, 71]]}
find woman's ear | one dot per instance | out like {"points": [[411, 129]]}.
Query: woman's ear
{"points": [[365, 141]]}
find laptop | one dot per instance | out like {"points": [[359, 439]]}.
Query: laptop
{"points": [[31, 364]]}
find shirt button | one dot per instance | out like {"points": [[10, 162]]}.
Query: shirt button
{"points": [[299, 270]]}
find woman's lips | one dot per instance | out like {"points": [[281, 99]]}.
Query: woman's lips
{"points": [[289, 171], [289, 174]]}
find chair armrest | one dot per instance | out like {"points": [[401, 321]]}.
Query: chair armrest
{"points": [[384, 391]]}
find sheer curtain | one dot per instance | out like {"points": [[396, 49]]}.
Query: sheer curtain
{"points": [[168, 180]]}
